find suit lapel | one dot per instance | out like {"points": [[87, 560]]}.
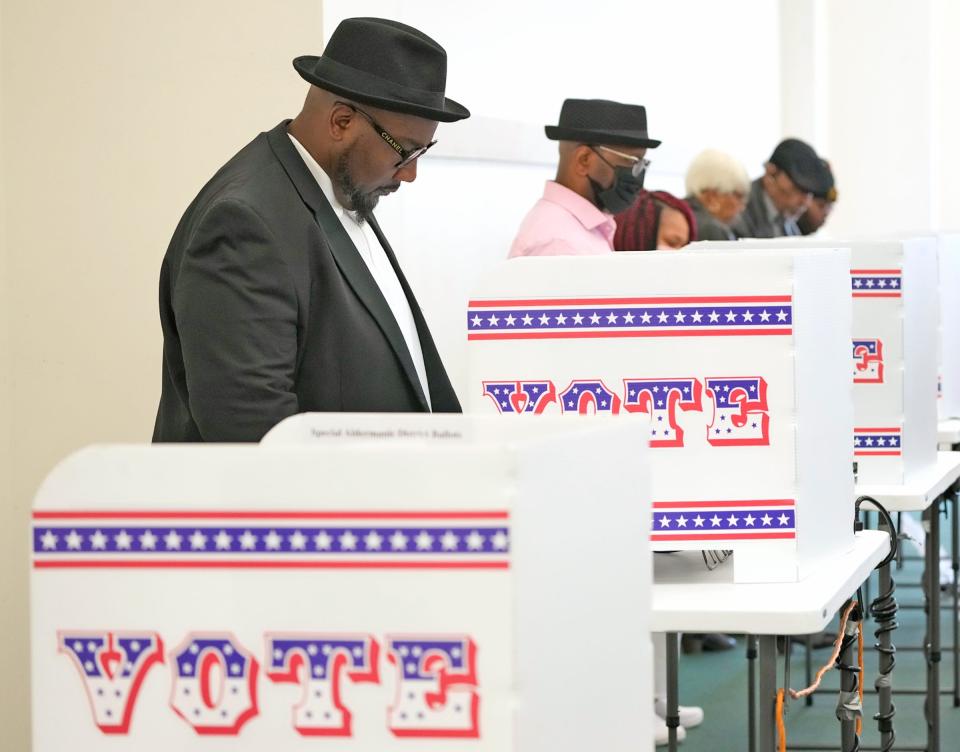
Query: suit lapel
{"points": [[345, 253]]}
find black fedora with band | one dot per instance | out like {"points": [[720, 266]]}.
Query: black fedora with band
{"points": [[386, 64]]}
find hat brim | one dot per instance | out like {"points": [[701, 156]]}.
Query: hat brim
{"points": [[362, 87], [803, 183], [610, 138]]}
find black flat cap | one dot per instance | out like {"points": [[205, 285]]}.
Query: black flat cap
{"points": [[801, 163]]}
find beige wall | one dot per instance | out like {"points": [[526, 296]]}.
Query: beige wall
{"points": [[12, 602], [114, 114]]}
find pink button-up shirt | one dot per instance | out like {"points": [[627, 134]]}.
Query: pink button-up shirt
{"points": [[564, 223]]}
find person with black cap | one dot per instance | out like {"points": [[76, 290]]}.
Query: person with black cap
{"points": [[824, 197], [279, 292], [602, 164], [780, 196]]}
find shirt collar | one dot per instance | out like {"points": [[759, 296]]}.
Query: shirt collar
{"points": [[323, 180], [586, 213]]}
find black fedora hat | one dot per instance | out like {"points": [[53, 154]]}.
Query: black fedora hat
{"points": [[386, 64], [600, 121]]}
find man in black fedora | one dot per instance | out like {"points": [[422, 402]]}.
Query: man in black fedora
{"points": [[780, 196], [601, 170], [279, 293]]}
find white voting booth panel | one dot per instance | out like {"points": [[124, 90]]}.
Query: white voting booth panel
{"points": [[893, 282], [413, 583], [949, 260], [736, 365]]}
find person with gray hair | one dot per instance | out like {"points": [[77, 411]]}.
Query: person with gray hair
{"points": [[717, 189]]}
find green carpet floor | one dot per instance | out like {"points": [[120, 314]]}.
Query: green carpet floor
{"points": [[718, 683]]}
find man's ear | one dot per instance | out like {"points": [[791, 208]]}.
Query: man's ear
{"points": [[340, 120], [583, 157]]}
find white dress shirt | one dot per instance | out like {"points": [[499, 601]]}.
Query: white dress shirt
{"points": [[377, 262]]}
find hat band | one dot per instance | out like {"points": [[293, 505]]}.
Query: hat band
{"points": [[369, 84]]}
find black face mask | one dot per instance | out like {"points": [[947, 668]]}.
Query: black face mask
{"points": [[622, 192]]}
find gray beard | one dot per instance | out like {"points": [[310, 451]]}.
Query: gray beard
{"points": [[361, 203]]}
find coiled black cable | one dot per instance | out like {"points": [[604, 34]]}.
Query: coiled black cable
{"points": [[883, 610], [891, 528], [849, 642]]}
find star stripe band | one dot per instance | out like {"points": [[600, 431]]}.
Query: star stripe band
{"points": [[630, 317]]}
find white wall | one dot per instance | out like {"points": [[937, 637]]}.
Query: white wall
{"points": [[880, 115], [946, 113], [874, 86], [707, 72]]}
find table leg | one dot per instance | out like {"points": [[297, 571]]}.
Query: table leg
{"points": [[899, 548], [751, 693], [866, 582], [955, 566], [673, 678], [766, 722], [932, 581], [884, 613], [848, 685]]}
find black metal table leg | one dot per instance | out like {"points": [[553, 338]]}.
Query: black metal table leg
{"points": [[932, 580], [766, 725], [751, 693], [884, 613], [955, 566], [846, 712], [673, 678]]}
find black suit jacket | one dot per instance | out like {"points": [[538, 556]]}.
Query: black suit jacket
{"points": [[268, 309], [755, 222]]}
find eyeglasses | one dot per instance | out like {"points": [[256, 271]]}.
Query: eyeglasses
{"points": [[406, 155], [639, 164]]}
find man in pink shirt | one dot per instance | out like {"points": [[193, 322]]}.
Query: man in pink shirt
{"points": [[602, 164], [602, 148]]}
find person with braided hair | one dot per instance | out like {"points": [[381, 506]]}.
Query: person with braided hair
{"points": [[656, 221]]}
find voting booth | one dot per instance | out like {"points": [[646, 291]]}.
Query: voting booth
{"points": [[949, 263], [735, 364], [894, 341], [894, 288], [399, 583]]}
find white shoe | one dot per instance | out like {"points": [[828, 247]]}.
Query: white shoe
{"points": [[690, 715], [661, 734]]}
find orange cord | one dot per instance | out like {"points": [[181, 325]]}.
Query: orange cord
{"points": [[781, 728], [833, 658], [796, 695]]}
